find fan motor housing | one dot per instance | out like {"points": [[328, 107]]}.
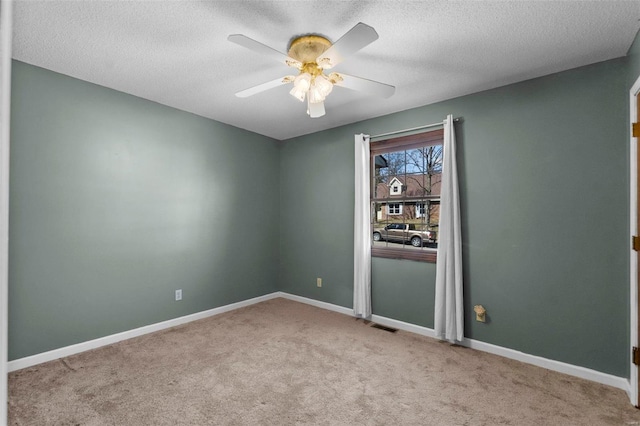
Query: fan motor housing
{"points": [[307, 48]]}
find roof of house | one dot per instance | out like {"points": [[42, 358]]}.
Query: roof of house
{"points": [[414, 185]]}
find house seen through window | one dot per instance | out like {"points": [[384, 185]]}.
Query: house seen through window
{"points": [[405, 196]]}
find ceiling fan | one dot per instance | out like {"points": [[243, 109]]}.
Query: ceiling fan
{"points": [[311, 55]]}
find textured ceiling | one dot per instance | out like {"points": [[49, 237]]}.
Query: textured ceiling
{"points": [[176, 52]]}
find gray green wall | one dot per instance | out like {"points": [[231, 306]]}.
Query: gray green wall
{"points": [[117, 201], [544, 180], [633, 58]]}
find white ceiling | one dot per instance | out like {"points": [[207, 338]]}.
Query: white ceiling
{"points": [[176, 52]]}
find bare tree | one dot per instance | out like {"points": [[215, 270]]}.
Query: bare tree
{"points": [[424, 163], [395, 162]]}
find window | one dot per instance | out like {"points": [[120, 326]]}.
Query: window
{"points": [[394, 208], [406, 174]]}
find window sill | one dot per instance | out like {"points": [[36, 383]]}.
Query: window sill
{"points": [[429, 256]]}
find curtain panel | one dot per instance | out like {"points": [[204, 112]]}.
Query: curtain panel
{"points": [[449, 314], [362, 232]]}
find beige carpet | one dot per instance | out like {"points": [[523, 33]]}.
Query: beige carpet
{"points": [[281, 362]]}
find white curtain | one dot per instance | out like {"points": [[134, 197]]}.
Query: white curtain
{"points": [[449, 315], [362, 231]]}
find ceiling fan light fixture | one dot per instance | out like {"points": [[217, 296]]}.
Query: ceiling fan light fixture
{"points": [[315, 96], [323, 84], [303, 81], [315, 110], [311, 82], [297, 93], [301, 85], [314, 88]]}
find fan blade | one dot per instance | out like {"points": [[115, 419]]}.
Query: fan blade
{"points": [[264, 86], [315, 110], [367, 86], [263, 49], [355, 39]]}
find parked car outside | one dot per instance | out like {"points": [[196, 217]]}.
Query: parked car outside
{"points": [[404, 233]]}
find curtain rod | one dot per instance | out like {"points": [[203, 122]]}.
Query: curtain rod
{"points": [[412, 129]]}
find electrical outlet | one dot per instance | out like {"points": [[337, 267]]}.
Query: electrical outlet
{"points": [[319, 282], [179, 294]]}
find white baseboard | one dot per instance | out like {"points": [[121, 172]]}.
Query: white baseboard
{"points": [[29, 361], [550, 364], [317, 303], [561, 367], [572, 370]]}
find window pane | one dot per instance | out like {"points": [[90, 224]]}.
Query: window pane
{"points": [[395, 166], [405, 195], [433, 167], [380, 177], [405, 225], [380, 224], [433, 220], [411, 173], [415, 163], [415, 185], [388, 224]]}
